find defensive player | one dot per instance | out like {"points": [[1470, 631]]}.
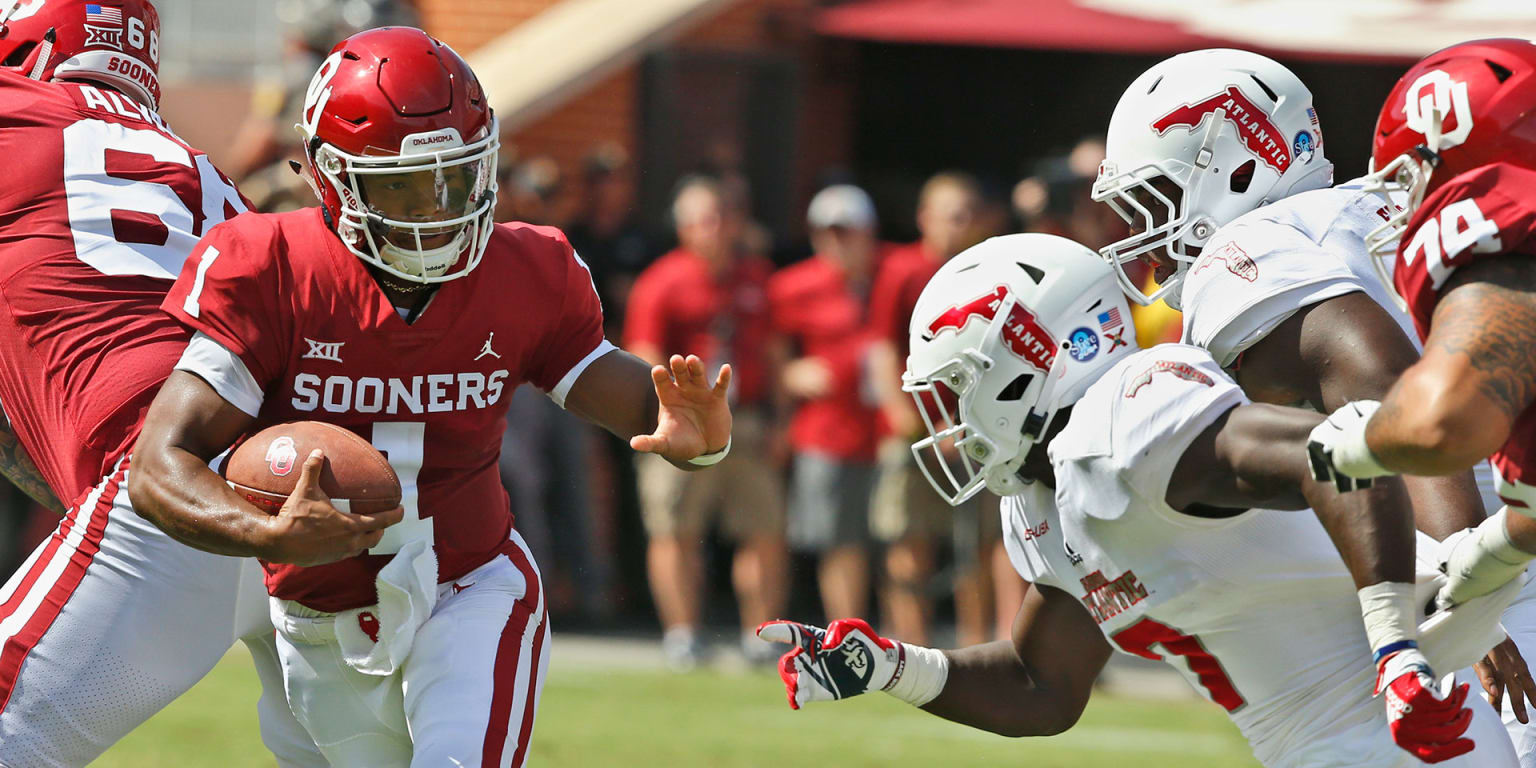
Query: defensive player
{"points": [[1456, 134], [1271, 267], [110, 619], [1133, 482], [397, 309]]}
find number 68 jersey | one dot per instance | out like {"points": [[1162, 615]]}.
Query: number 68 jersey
{"points": [[313, 337], [1255, 610], [100, 206]]}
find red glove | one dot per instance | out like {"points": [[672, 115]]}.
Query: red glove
{"points": [[1422, 724]]}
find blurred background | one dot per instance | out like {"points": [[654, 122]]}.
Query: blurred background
{"points": [[821, 158]]}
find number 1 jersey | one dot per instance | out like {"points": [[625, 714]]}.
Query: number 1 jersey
{"points": [[101, 205], [320, 341]]}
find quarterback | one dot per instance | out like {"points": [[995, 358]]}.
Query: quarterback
{"points": [[1272, 270], [110, 619], [1455, 137], [1144, 500], [398, 309]]}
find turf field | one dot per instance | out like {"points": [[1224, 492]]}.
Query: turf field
{"points": [[600, 716]]}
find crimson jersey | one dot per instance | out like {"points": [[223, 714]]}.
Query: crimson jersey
{"points": [[100, 206], [1488, 211], [323, 343]]}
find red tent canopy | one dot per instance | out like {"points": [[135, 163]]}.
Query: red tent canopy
{"points": [[1399, 32]]}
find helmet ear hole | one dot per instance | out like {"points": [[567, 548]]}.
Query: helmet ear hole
{"points": [[1242, 178], [1016, 388], [19, 56]]}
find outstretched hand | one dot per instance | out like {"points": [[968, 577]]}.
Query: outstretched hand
{"points": [[694, 417]]}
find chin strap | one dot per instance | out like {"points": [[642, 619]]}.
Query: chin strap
{"points": [[44, 53]]}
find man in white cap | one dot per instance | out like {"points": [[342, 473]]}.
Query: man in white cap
{"points": [[819, 317]]}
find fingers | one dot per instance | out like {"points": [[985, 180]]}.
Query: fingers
{"points": [[309, 476], [680, 372], [1489, 676], [779, 631], [649, 444], [378, 521], [723, 381]]}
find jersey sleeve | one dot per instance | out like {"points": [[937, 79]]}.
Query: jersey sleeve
{"points": [[575, 339], [886, 319], [1486, 212], [1253, 278], [1136, 425], [230, 291]]}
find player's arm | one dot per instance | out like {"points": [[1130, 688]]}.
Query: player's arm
{"points": [[187, 426], [671, 410], [1458, 404], [17, 467], [1035, 685], [1349, 348]]}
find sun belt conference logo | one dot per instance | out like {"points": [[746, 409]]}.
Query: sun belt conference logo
{"points": [[282, 455], [1435, 92]]}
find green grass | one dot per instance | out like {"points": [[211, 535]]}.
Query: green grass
{"points": [[602, 717]]}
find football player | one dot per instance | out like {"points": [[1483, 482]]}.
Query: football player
{"points": [[1216, 159], [1456, 136], [110, 619], [399, 310], [1142, 496]]}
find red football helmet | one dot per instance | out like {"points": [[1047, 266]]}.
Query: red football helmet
{"points": [[116, 42], [402, 149], [1459, 108]]}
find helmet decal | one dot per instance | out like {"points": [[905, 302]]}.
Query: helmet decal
{"points": [[319, 93], [1436, 93], [1022, 332], [1254, 127]]}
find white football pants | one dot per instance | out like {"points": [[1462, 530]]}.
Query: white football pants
{"points": [[465, 696], [109, 620]]}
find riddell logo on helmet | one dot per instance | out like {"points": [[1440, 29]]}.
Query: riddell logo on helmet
{"points": [[1258, 133], [1022, 333]]}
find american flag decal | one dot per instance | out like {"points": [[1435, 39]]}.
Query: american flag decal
{"points": [[1110, 320], [97, 14]]}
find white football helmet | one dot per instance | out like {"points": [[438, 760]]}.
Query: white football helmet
{"points": [[1004, 335], [1228, 131]]}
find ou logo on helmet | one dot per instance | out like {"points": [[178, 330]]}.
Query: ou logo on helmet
{"points": [[319, 93], [1435, 93]]}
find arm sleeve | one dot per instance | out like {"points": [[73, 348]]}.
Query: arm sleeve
{"points": [[230, 291], [575, 339], [1236, 293], [224, 371]]}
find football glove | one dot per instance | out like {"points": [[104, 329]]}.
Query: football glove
{"points": [[1337, 451], [1479, 561], [1423, 723], [848, 658]]}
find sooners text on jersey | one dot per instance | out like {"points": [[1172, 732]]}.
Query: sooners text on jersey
{"points": [[100, 206], [1488, 211], [323, 343]]}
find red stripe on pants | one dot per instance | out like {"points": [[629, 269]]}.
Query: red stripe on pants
{"points": [[504, 690], [19, 645]]}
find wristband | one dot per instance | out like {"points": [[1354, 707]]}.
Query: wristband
{"points": [[920, 674], [711, 459], [1390, 619]]}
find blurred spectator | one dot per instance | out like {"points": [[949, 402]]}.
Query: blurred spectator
{"points": [[706, 298], [528, 191], [606, 231], [905, 513], [265, 142], [818, 308]]}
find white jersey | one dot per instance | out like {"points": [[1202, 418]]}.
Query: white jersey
{"points": [[1263, 266], [1256, 611]]}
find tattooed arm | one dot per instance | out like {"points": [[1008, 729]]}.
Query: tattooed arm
{"points": [[17, 466], [1458, 403]]}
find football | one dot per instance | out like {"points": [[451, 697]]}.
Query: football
{"points": [[266, 467]]}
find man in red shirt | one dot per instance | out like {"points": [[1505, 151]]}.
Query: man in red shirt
{"points": [[707, 298], [818, 308], [905, 513]]}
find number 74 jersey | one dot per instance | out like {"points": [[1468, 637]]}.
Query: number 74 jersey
{"points": [[1255, 610], [100, 206], [314, 338]]}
